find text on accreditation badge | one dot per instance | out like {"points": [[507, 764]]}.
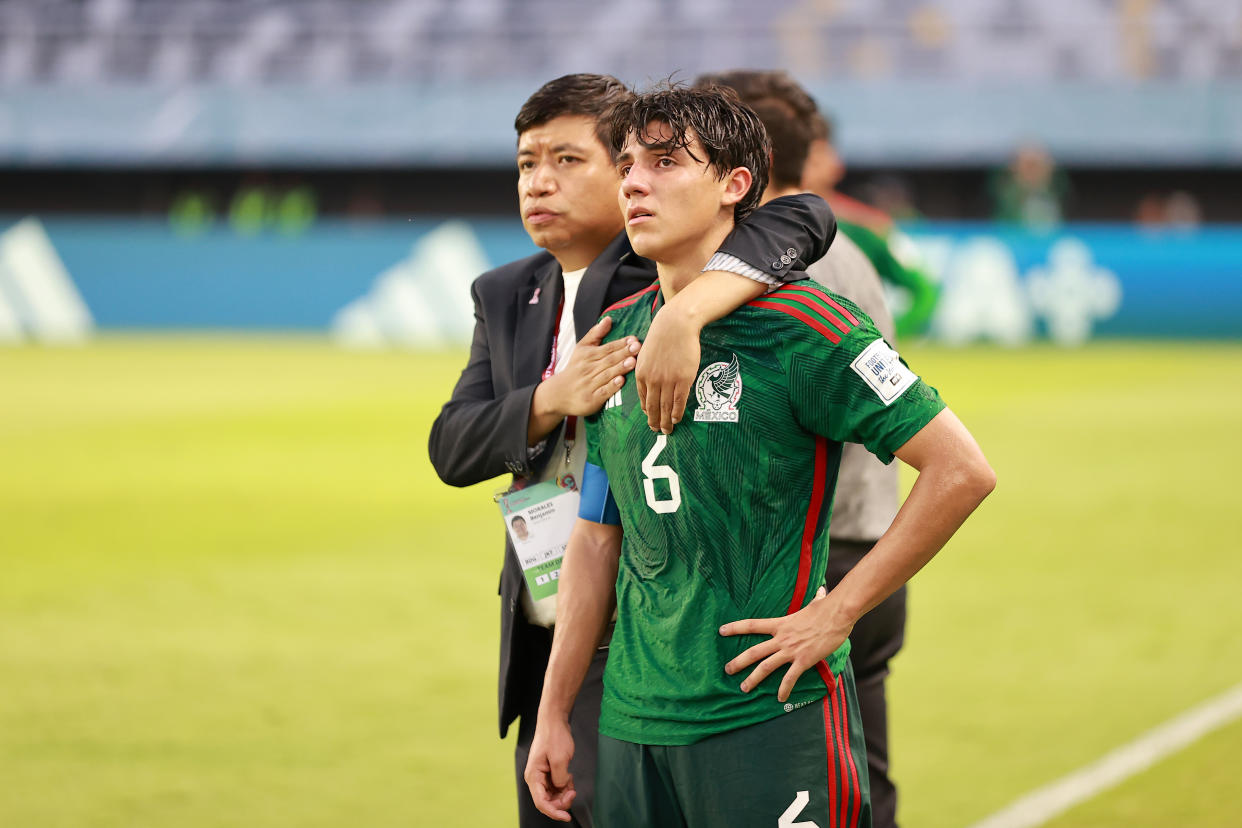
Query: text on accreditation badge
{"points": [[539, 519]]}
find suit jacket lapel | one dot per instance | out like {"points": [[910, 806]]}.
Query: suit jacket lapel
{"points": [[532, 336], [594, 288]]}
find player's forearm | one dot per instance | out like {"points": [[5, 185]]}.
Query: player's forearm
{"points": [[586, 598], [714, 294], [950, 486], [938, 505]]}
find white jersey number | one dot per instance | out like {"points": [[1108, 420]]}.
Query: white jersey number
{"points": [[794, 811], [652, 473]]}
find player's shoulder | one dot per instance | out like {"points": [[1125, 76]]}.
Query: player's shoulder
{"points": [[509, 277], [806, 309]]}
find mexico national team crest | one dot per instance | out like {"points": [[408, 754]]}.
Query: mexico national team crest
{"points": [[718, 388]]}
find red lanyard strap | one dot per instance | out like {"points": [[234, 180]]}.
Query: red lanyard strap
{"points": [[556, 335], [571, 422]]}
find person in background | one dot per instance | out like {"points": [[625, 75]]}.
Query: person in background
{"points": [[1178, 210], [537, 363], [1031, 190], [872, 230]]}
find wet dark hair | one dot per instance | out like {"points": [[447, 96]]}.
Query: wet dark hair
{"points": [[787, 112], [580, 94], [729, 132]]}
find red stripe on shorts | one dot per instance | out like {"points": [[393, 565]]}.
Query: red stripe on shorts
{"points": [[849, 753], [832, 759], [840, 817]]}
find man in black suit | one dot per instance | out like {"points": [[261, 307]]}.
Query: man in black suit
{"points": [[515, 407]]}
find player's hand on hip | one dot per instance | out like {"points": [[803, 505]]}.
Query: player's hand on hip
{"points": [[800, 640], [547, 770], [667, 365], [596, 370]]}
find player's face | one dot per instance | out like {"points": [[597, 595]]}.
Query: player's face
{"points": [[823, 169], [567, 189], [669, 198]]}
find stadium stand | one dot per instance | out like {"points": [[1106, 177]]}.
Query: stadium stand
{"points": [[273, 41], [407, 105]]}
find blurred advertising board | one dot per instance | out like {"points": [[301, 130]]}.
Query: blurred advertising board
{"points": [[468, 122], [406, 283]]}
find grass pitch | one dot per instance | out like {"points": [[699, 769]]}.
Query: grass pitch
{"points": [[233, 592]]}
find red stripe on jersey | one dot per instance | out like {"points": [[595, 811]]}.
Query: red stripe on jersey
{"points": [[808, 529], [629, 300], [853, 320], [801, 298], [830, 681], [832, 760], [832, 336], [849, 755]]}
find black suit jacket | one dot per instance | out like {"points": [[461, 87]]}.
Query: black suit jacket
{"points": [[481, 431]]}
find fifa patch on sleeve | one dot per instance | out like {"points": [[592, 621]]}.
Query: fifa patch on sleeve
{"points": [[883, 370]]}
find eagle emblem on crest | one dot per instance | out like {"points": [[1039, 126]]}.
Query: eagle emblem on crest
{"points": [[718, 389]]}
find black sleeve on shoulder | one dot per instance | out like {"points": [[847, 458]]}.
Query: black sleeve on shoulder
{"points": [[803, 223], [479, 435]]}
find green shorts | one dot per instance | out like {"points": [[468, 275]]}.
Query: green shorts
{"points": [[807, 767]]}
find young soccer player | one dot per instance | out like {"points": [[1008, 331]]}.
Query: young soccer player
{"points": [[726, 519], [536, 364]]}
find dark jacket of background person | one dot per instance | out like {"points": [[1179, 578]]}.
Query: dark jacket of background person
{"points": [[481, 430]]}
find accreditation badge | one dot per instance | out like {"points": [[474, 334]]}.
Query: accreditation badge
{"points": [[539, 519]]}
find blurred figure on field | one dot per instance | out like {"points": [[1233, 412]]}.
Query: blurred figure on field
{"points": [[891, 194], [871, 229], [259, 205], [364, 203], [192, 211], [1179, 210], [1031, 190], [866, 494]]}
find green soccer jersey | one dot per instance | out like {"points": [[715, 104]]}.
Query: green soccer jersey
{"points": [[727, 518]]}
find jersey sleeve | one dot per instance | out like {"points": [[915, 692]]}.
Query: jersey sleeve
{"points": [[856, 389], [590, 429]]}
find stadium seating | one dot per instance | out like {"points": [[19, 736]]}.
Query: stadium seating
{"points": [[262, 41]]}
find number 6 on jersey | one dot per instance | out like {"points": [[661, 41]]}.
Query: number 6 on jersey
{"points": [[652, 473]]}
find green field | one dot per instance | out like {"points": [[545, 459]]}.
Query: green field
{"points": [[233, 592]]}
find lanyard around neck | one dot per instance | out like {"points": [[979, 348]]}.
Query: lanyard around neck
{"points": [[571, 422]]}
